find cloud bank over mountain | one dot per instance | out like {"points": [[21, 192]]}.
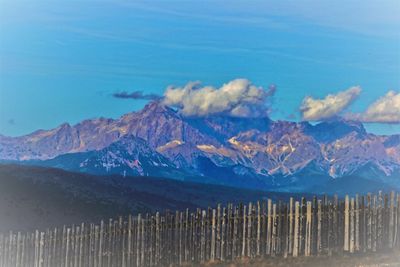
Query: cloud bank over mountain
{"points": [[241, 98], [330, 106], [384, 110], [238, 98]]}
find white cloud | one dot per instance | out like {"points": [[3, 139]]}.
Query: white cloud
{"points": [[385, 110], [239, 98], [330, 106]]}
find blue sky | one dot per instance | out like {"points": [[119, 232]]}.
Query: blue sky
{"points": [[61, 61]]}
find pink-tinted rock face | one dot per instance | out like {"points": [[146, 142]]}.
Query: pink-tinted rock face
{"points": [[336, 147]]}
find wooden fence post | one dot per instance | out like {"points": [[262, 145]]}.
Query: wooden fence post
{"points": [[369, 225], [308, 230], [244, 232], [379, 222], [319, 231], [391, 220], [374, 222], [397, 224], [296, 229], [290, 244], [346, 223], [258, 228], [352, 235], [212, 256], [249, 230], [218, 230], [223, 234], [228, 243], [274, 230], [269, 227], [357, 224]]}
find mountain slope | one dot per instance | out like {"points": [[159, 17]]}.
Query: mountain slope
{"points": [[129, 156], [37, 197]]}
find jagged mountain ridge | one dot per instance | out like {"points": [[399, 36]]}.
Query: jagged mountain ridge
{"points": [[256, 147], [129, 156]]}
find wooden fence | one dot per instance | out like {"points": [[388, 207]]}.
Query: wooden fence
{"points": [[263, 229]]}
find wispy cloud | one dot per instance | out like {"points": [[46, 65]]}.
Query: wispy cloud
{"points": [[328, 107], [373, 18], [136, 95]]}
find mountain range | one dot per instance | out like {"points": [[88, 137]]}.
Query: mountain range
{"points": [[243, 152]]}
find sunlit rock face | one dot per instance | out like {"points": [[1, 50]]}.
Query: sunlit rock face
{"points": [[253, 147]]}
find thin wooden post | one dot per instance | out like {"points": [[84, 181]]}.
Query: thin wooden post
{"points": [[336, 224], [2, 250], [357, 224], [129, 252], [374, 223], [302, 228], [290, 248], [18, 251], [223, 227], [36, 262], [244, 232], [274, 230], [202, 240], [143, 241], [218, 232], [269, 227], [187, 235], [319, 226], [397, 224], [346, 224], [296, 229], [314, 226], [213, 226], [138, 236], [158, 239], [363, 225], [352, 235], [101, 243], [285, 230], [110, 242], [228, 238], [81, 244], [369, 222], [379, 223], [181, 239], [391, 220], [258, 228], [249, 230], [308, 230]]}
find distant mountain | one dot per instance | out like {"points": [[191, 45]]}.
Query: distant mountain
{"points": [[129, 156], [252, 152]]}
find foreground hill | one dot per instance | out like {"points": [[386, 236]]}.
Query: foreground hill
{"points": [[36, 197], [241, 152]]}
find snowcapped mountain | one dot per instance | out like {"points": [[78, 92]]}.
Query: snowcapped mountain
{"points": [[238, 151]]}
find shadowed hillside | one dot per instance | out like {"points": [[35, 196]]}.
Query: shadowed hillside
{"points": [[36, 197]]}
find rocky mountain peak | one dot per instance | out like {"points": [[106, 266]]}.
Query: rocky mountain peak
{"points": [[157, 107], [335, 128]]}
